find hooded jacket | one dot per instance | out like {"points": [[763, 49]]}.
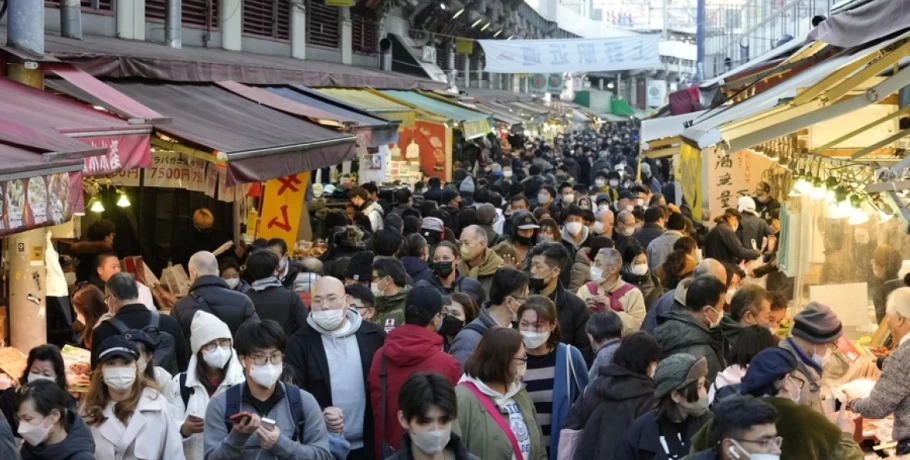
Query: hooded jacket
{"points": [[467, 339], [308, 353], [617, 397], [390, 310], [731, 330], [581, 269], [722, 244], [375, 213], [642, 438], [484, 271], [416, 268], [572, 249], [407, 349], [671, 300], [78, 445], [680, 332]]}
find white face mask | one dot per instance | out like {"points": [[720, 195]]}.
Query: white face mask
{"points": [[119, 378], [729, 296], [639, 202], [33, 377], [599, 182], [375, 288], [431, 442], [543, 198], [639, 269], [603, 207], [507, 173], [533, 340], [568, 198], [574, 228], [614, 183], [597, 274], [328, 319], [266, 375], [598, 227], [218, 357], [232, 282], [35, 434], [630, 208], [70, 278], [822, 360], [749, 456], [720, 316], [627, 231]]}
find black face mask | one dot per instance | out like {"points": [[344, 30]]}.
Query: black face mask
{"points": [[442, 269], [524, 240], [536, 284], [450, 325]]}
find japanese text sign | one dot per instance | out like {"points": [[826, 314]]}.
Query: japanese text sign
{"points": [[731, 176], [283, 203], [169, 169], [123, 153], [689, 176], [572, 55]]}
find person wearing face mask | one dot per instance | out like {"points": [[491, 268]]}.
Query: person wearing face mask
{"points": [[622, 391], [608, 292], [805, 432], [414, 347], [815, 329], [681, 410], [765, 204], [574, 236], [693, 330], [213, 369], [546, 198], [742, 428], [524, 234], [129, 419], [270, 298], [337, 341], [625, 202], [446, 277], [146, 362], [212, 294], [44, 362], [753, 340], [556, 373], [584, 258], [428, 410], [496, 417], [600, 183], [625, 228], [234, 419], [635, 272], [390, 290], [288, 267], [547, 263], [723, 244], [478, 261], [49, 426], [750, 305], [230, 273], [603, 223]]}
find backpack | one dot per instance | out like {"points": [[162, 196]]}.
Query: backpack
{"points": [[165, 350], [234, 395], [614, 296], [185, 392]]}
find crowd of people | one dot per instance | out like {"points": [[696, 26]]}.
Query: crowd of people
{"points": [[557, 302]]}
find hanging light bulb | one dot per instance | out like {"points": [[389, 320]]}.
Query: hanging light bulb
{"points": [[123, 201], [858, 218], [818, 190], [96, 206]]}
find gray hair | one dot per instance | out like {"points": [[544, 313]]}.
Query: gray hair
{"points": [[622, 215], [123, 287], [710, 267], [203, 263], [479, 233], [604, 325], [612, 257], [311, 265]]}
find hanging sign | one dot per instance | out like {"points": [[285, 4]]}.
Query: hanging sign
{"points": [[657, 93], [283, 203], [538, 83], [571, 55], [169, 169], [732, 176], [689, 175], [341, 3], [554, 83], [464, 46], [123, 153], [35, 202]]}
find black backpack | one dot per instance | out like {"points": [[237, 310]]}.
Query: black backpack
{"points": [[165, 350]]}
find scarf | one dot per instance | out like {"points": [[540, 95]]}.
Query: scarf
{"points": [[265, 283]]}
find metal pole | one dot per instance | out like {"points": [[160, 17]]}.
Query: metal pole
{"points": [[26, 26], [173, 24], [71, 19], [666, 19], [700, 41]]}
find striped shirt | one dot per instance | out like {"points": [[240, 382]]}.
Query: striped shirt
{"points": [[539, 382]]}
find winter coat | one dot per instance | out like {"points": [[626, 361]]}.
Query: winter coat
{"points": [[150, 433], [8, 408], [86, 252], [467, 339], [890, 394], [604, 358], [731, 330], [661, 247], [807, 376], [632, 301], [78, 445], [648, 284], [642, 439], [732, 375], [461, 283], [484, 271], [229, 306], [138, 316], [722, 244], [455, 446], [289, 275], [306, 356], [375, 213], [615, 399], [562, 399], [680, 332], [572, 249], [417, 269], [671, 300], [194, 446], [8, 443], [807, 434], [407, 349], [581, 269], [572, 315], [280, 305], [669, 280], [648, 233], [764, 210], [390, 310], [483, 437], [753, 230]]}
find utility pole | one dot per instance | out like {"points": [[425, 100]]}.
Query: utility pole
{"points": [[666, 19], [25, 250]]}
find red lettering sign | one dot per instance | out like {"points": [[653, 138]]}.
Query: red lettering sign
{"points": [[288, 182], [286, 226]]}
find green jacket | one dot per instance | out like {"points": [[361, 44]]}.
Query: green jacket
{"points": [[482, 435], [390, 310], [807, 434], [731, 330]]}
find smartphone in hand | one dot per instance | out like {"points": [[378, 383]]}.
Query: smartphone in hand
{"points": [[241, 417]]}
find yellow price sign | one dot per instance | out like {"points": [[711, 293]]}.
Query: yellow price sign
{"points": [[464, 45]]}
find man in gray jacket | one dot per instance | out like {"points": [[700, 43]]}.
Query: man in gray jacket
{"points": [[508, 292], [234, 419], [661, 247]]}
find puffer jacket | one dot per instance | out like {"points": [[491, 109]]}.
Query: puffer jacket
{"points": [[78, 445], [680, 332], [581, 270]]}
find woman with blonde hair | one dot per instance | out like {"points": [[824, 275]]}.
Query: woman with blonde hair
{"points": [[128, 418]]}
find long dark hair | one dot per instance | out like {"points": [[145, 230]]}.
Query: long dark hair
{"points": [[46, 352], [202, 371], [89, 302]]}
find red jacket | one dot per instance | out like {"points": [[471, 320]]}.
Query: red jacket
{"points": [[408, 349]]}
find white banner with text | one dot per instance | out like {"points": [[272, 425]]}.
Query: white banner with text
{"points": [[571, 55]]}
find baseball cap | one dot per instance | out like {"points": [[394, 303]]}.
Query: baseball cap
{"points": [[527, 221], [424, 299], [117, 346], [746, 204]]}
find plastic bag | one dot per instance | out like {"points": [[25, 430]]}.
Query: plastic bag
{"points": [[175, 279]]}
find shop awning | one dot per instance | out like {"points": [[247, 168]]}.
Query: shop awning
{"points": [[474, 124], [18, 162], [497, 95], [407, 58], [622, 108], [258, 143], [530, 107], [372, 103], [659, 128], [381, 131], [499, 114]]}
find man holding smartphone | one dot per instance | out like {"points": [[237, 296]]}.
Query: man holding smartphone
{"points": [[264, 418]]}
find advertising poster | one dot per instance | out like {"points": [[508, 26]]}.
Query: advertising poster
{"points": [[433, 140]]}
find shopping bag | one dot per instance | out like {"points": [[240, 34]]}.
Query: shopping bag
{"points": [[568, 442], [175, 279]]}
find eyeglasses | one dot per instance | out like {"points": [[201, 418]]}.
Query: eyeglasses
{"points": [[260, 360], [223, 343], [521, 360], [766, 443]]}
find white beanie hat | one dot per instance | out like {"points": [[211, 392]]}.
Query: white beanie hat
{"points": [[206, 327]]}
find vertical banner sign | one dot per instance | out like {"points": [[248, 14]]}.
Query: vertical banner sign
{"points": [[732, 176], [464, 46], [689, 177], [283, 203], [571, 55]]}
